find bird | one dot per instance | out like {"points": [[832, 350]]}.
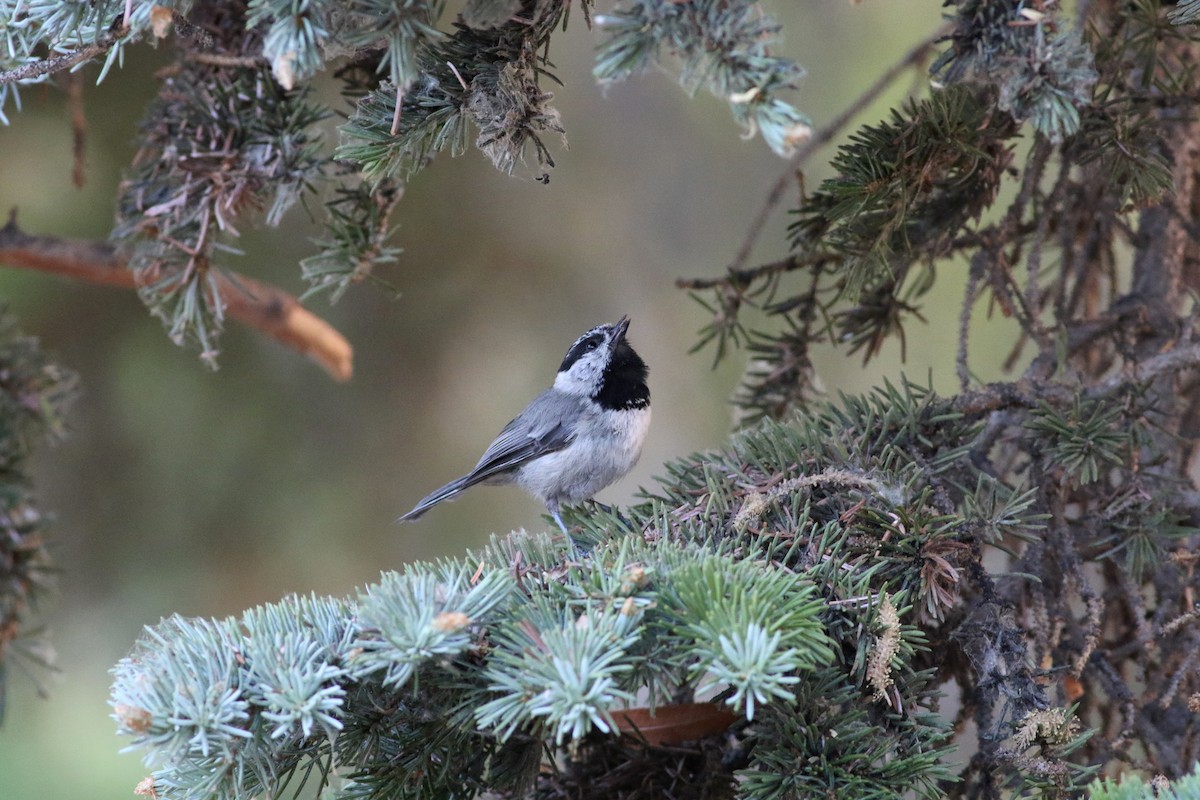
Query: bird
{"points": [[582, 434]]}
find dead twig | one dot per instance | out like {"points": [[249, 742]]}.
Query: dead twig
{"points": [[266, 308]]}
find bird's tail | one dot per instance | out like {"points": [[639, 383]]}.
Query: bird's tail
{"points": [[447, 492]]}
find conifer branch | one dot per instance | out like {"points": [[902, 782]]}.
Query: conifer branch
{"points": [[1029, 391], [265, 308], [1178, 359], [234, 130], [725, 47]]}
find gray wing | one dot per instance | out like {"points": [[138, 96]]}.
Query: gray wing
{"points": [[545, 426]]}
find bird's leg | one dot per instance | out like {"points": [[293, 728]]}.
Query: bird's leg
{"points": [[552, 507]]}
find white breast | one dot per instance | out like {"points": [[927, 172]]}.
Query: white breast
{"points": [[606, 446]]}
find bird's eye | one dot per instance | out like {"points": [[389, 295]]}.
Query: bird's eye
{"points": [[591, 344]]}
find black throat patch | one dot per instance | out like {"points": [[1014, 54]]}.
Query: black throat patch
{"points": [[624, 384]]}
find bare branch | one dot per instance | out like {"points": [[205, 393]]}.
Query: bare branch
{"points": [[267, 308], [1026, 392], [745, 276], [1176, 360]]}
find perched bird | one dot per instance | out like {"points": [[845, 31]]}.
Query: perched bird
{"points": [[580, 435]]}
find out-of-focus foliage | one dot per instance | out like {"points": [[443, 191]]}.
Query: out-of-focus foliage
{"points": [[1132, 787], [33, 393]]}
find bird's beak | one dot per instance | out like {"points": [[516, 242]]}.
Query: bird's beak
{"points": [[621, 327]]}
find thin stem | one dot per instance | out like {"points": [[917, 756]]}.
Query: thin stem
{"points": [[825, 135], [399, 106], [970, 293], [224, 60], [46, 66], [78, 128], [744, 276]]}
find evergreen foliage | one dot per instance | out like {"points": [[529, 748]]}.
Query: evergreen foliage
{"points": [[722, 46], [829, 600], [1041, 73], [1132, 787], [235, 129], [920, 193], [33, 394], [812, 577], [1056, 169], [797, 612]]}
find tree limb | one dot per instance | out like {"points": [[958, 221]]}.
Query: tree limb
{"points": [[1026, 392], [267, 308]]}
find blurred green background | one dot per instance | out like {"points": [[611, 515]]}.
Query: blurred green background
{"points": [[182, 490]]}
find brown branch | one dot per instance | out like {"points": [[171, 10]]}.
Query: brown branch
{"points": [[1026, 392], [267, 308], [1176, 360], [970, 294]]}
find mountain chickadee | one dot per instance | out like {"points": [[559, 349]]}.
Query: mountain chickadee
{"points": [[580, 435]]}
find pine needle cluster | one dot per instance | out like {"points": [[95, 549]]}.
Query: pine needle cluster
{"points": [[722, 46], [1042, 73]]}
